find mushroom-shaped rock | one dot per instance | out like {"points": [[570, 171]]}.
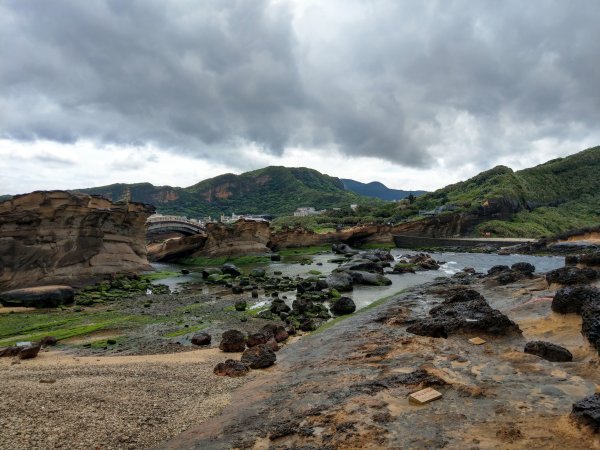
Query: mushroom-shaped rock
{"points": [[201, 339], [231, 368], [571, 275], [233, 341], [570, 299], [231, 269], [548, 351], [523, 267], [255, 339], [259, 357], [342, 306]]}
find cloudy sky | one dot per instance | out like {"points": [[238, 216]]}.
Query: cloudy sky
{"points": [[416, 94]]}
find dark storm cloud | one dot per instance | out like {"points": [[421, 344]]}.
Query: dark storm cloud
{"points": [[400, 80]]}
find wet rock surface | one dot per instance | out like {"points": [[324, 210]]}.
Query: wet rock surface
{"points": [[354, 380], [548, 351]]}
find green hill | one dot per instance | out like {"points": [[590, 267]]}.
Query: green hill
{"points": [[553, 197], [272, 190]]}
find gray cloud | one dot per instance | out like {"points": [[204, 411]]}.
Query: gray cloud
{"points": [[406, 81]]}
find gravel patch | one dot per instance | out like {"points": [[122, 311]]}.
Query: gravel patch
{"points": [[125, 402]]}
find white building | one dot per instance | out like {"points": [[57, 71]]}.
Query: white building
{"points": [[306, 211]]}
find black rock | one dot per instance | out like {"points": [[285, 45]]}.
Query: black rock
{"points": [[570, 299], [523, 267], [31, 351], [255, 339], [587, 411], [571, 275], [278, 306], [231, 368], [590, 323], [495, 270], [259, 357], [201, 339], [548, 351], [233, 341], [38, 297], [230, 269], [275, 257], [340, 281], [258, 273], [237, 289], [254, 293], [343, 305], [276, 332], [185, 272]]}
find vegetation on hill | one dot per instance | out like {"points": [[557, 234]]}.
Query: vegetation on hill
{"points": [[377, 190], [272, 190]]}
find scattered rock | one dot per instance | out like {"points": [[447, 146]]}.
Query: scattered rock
{"points": [[259, 357], [258, 273], [590, 323], [237, 289], [241, 305], [185, 272], [9, 351], [207, 272], [255, 339], [231, 269], [524, 268], [340, 281], [278, 306], [233, 341], [496, 270], [29, 352], [277, 332], [201, 339], [587, 411], [548, 351], [343, 305], [48, 341], [231, 368], [369, 279]]}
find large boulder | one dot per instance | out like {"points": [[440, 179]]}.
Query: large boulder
{"points": [[469, 313], [231, 368], [369, 279], [255, 339], [279, 306], [38, 297], [259, 357], [59, 237], [590, 323], [571, 275], [362, 265], [424, 261], [342, 306], [498, 269], [570, 299], [587, 411], [548, 351], [233, 341], [340, 281], [590, 259], [276, 332], [29, 351]]}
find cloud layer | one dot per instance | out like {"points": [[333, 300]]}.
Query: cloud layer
{"points": [[419, 84]]}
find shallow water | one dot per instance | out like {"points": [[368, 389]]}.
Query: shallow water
{"points": [[365, 295]]}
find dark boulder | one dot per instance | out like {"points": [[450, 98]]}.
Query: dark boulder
{"points": [[306, 286], [278, 306], [523, 268], [255, 339], [240, 305], [48, 341], [508, 277], [548, 351], [231, 368], [201, 339], [344, 249], [570, 299], [462, 295], [275, 257], [207, 272], [342, 306], [185, 272], [369, 279], [362, 265], [340, 281], [496, 270], [424, 261], [237, 289], [7, 352], [258, 273], [571, 275], [468, 312], [590, 259], [254, 293], [259, 357], [587, 411], [233, 341], [30, 351], [39, 297], [231, 269], [277, 332]]}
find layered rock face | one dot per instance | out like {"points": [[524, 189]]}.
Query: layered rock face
{"points": [[57, 237], [241, 238]]}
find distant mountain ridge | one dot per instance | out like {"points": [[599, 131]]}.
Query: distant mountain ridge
{"points": [[377, 190], [272, 190]]}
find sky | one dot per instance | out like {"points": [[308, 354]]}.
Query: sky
{"points": [[416, 94]]}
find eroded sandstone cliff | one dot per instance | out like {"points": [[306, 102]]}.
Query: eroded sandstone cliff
{"points": [[240, 238], [49, 237]]}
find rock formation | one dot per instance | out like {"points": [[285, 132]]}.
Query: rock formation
{"points": [[58, 237], [241, 238]]}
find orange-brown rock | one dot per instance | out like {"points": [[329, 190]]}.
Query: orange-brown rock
{"points": [[58, 237], [240, 238], [175, 248]]}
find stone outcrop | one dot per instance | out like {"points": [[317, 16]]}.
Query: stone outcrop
{"points": [[240, 238], [175, 248], [548, 351], [39, 297], [58, 237]]}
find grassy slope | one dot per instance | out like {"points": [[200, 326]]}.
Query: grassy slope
{"points": [[555, 196]]}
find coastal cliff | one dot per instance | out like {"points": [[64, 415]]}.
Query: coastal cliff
{"points": [[50, 237]]}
